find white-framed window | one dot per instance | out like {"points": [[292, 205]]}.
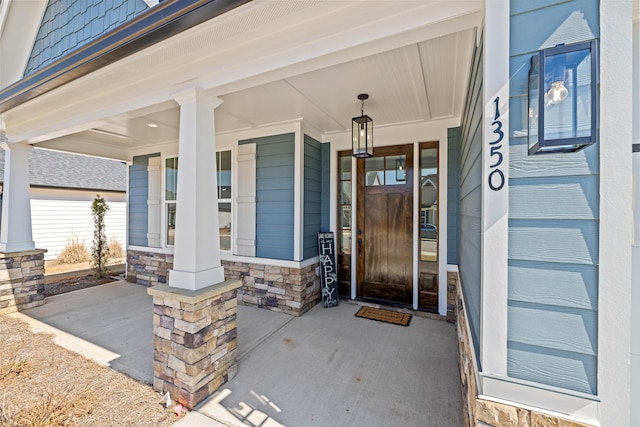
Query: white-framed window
{"points": [[170, 193], [224, 178]]}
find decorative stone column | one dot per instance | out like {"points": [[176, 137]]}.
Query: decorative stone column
{"points": [[195, 340], [21, 264], [21, 280]]}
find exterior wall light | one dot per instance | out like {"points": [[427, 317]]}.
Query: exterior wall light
{"points": [[362, 133], [563, 98]]}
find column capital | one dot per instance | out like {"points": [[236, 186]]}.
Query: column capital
{"points": [[193, 95], [16, 146]]}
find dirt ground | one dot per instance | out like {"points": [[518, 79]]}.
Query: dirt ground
{"points": [[62, 278], [44, 385]]}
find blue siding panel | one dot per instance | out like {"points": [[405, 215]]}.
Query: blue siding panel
{"points": [[562, 22], [275, 171], [563, 369], [138, 216], [312, 196], [553, 327], [453, 195], [553, 221], [554, 284], [562, 241], [470, 199], [563, 197], [325, 180]]}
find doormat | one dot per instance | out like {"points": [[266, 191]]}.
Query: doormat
{"points": [[387, 316]]}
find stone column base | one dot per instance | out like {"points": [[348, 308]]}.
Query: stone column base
{"points": [[195, 340], [21, 280]]}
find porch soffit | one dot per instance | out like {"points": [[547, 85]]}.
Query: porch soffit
{"points": [[270, 62]]}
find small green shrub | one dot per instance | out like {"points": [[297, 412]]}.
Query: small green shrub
{"points": [[74, 252], [100, 248]]}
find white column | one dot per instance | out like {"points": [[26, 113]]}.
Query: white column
{"points": [[15, 231], [495, 190], [196, 259], [616, 213]]}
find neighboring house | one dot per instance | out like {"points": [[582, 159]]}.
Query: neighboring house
{"points": [[63, 186], [235, 120]]}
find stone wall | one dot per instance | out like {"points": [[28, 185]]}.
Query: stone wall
{"points": [[21, 280], [485, 413], [289, 290], [452, 296], [148, 268]]}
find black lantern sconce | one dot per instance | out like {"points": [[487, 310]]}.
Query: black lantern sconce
{"points": [[362, 133], [563, 98]]}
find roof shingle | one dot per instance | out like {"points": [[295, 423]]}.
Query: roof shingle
{"points": [[65, 170]]}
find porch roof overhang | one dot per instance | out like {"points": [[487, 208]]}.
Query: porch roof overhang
{"points": [[157, 24], [270, 62]]}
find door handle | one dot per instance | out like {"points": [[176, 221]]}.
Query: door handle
{"points": [[359, 246]]}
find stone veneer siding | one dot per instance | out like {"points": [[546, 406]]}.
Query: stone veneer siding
{"points": [[485, 413], [289, 290], [194, 340], [21, 280], [148, 268]]}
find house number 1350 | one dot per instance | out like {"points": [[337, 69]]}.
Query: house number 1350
{"points": [[496, 177]]}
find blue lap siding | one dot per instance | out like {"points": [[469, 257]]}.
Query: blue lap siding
{"points": [[553, 222], [275, 167]]}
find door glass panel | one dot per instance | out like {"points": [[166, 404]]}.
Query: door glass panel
{"points": [[428, 288], [345, 168], [345, 192], [344, 223], [395, 170], [374, 171], [388, 170]]}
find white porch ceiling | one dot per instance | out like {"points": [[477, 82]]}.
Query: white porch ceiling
{"points": [[412, 58], [415, 83]]}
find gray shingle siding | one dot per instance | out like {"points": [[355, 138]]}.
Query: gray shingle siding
{"points": [[65, 170], [70, 24]]}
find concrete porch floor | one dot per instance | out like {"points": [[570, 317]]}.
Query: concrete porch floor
{"points": [[326, 368]]}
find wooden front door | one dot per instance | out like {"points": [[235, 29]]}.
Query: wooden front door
{"points": [[384, 231]]}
